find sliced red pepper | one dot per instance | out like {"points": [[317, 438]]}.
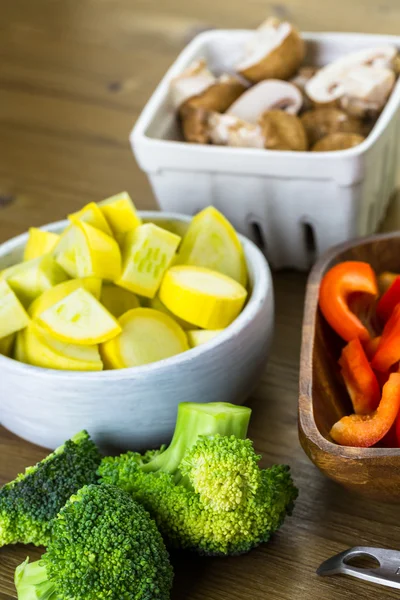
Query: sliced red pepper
{"points": [[366, 430], [388, 351], [389, 301], [361, 382], [371, 346], [337, 287], [397, 428], [390, 439], [385, 280]]}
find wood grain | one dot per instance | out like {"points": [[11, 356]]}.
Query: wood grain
{"points": [[74, 75], [374, 472]]}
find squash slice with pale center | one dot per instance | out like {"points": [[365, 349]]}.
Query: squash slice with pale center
{"points": [[206, 298], [213, 243], [58, 292], [147, 336], [13, 316], [147, 253], [79, 319], [197, 337], [43, 350], [84, 251]]}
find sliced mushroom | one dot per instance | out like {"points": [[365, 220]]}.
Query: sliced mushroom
{"points": [[358, 75], [338, 141], [367, 90], [195, 124], [319, 123], [272, 94], [283, 131], [304, 75], [198, 87], [227, 130], [275, 51]]}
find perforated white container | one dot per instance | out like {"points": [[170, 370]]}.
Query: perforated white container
{"points": [[293, 205]]}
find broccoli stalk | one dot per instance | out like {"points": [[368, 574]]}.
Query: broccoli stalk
{"points": [[104, 547], [30, 502], [207, 492]]}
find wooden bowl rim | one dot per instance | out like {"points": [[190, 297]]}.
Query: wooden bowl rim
{"points": [[306, 414]]}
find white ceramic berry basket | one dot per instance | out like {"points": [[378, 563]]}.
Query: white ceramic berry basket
{"points": [[136, 407], [293, 205]]}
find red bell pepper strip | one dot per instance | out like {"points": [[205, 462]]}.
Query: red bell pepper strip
{"points": [[371, 347], [389, 301], [337, 287], [388, 351], [361, 382], [366, 430]]}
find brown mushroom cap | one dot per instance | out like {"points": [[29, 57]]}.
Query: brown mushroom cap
{"points": [[194, 123], [322, 122], [274, 52], [218, 96], [338, 141], [283, 131]]}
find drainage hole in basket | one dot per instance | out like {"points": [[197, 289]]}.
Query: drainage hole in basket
{"points": [[258, 235], [310, 243]]}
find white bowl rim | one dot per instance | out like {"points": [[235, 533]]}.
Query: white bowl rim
{"points": [[262, 286]]}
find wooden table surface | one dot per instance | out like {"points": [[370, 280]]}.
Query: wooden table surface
{"points": [[74, 75]]}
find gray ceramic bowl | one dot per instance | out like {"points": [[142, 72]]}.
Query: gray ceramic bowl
{"points": [[136, 407]]}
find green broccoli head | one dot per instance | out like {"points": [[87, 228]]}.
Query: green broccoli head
{"points": [[30, 502], [207, 491], [104, 547]]}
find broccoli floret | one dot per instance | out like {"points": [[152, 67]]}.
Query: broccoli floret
{"points": [[30, 502], [104, 546], [207, 492]]}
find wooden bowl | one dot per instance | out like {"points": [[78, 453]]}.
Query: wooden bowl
{"points": [[323, 400]]}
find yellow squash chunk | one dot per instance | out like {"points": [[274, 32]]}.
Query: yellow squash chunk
{"points": [[147, 253], [79, 319], [6, 344], [84, 251], [39, 243], [147, 336], [121, 214], [92, 214], [201, 296], [43, 350], [117, 300], [197, 337], [31, 278], [158, 305], [13, 316], [212, 242], [58, 292]]}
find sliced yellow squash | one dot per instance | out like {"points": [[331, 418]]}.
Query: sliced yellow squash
{"points": [[201, 296], [56, 293], [43, 350], [79, 319], [146, 255], [147, 336], [92, 214], [158, 305], [197, 337], [31, 278], [121, 214], [84, 251], [212, 242], [6, 344], [19, 347], [39, 243], [117, 300], [13, 316]]}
